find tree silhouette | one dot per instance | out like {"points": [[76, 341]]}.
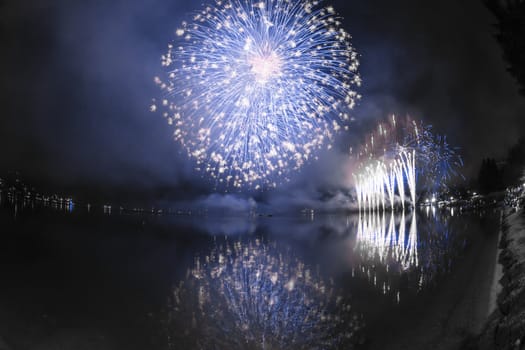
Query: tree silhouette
{"points": [[515, 163], [510, 15], [489, 178]]}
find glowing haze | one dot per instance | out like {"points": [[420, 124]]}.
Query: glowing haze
{"points": [[254, 89]]}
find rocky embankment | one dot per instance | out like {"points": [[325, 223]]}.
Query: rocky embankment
{"points": [[505, 328]]}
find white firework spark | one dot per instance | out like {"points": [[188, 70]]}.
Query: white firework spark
{"points": [[254, 89], [402, 158]]}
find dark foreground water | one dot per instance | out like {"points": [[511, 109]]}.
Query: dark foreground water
{"points": [[78, 280]]}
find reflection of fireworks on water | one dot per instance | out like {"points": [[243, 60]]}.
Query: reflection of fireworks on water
{"points": [[379, 235], [388, 248], [394, 249], [256, 87], [251, 296], [402, 158]]}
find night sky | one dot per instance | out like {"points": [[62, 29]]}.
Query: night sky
{"points": [[77, 83]]}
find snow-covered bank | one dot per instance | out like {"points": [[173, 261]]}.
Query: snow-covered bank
{"points": [[497, 275], [506, 326]]}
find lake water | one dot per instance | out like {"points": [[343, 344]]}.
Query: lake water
{"points": [[73, 279]]}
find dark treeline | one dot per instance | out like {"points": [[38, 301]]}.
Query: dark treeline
{"points": [[510, 16], [490, 176], [496, 176], [510, 34]]}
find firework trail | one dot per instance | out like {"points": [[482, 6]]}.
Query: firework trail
{"points": [[255, 88], [252, 295], [403, 157]]}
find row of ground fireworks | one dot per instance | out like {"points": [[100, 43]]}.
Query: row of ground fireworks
{"points": [[400, 159]]}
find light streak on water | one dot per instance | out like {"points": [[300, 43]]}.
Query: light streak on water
{"points": [[388, 238]]}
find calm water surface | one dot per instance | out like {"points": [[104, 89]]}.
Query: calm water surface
{"points": [[376, 281]]}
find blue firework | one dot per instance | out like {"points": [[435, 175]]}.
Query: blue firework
{"points": [[256, 295], [254, 89]]}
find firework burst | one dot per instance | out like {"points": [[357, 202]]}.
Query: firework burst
{"points": [[255, 88], [403, 157]]}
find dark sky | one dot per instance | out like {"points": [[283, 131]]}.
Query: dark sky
{"points": [[76, 83]]}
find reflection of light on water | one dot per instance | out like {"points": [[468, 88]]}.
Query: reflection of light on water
{"points": [[387, 248], [253, 295], [390, 241], [399, 254], [430, 211]]}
